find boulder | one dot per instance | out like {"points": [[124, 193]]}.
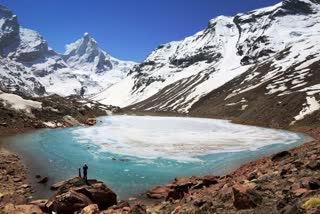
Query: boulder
{"points": [[184, 182], [43, 180], [90, 209], [313, 165], [64, 186], [299, 192], [68, 202], [99, 193], [75, 181], [21, 209], [175, 194], [91, 121], [245, 197], [225, 194], [314, 184], [252, 175], [138, 208], [120, 205], [206, 181], [280, 155], [305, 182], [158, 192]]}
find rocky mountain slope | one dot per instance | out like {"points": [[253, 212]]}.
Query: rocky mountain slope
{"points": [[30, 67], [249, 66], [20, 113]]}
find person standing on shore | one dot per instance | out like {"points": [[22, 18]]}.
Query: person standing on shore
{"points": [[85, 173]]}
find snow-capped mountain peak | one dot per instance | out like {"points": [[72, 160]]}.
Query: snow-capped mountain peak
{"points": [[85, 54], [82, 45], [28, 66]]}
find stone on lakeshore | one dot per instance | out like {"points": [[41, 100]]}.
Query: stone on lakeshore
{"points": [[68, 202], [16, 180], [280, 155], [158, 192], [25, 186], [206, 181], [99, 193], [90, 209], [91, 121], [252, 175], [314, 184], [299, 192], [245, 197], [138, 207], [121, 204], [43, 180], [75, 181], [175, 194], [313, 165]]}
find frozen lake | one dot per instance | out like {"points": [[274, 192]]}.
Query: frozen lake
{"points": [[134, 153]]}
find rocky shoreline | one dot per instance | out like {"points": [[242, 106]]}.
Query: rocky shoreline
{"points": [[282, 183]]}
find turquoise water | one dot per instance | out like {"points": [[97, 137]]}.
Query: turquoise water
{"points": [[134, 153]]}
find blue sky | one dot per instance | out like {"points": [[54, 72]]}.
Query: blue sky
{"points": [[126, 29]]}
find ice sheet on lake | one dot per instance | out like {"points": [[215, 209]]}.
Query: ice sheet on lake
{"points": [[181, 139]]}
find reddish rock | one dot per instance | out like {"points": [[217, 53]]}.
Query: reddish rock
{"points": [[295, 186], [99, 193], [68, 202], [314, 184], [245, 197], [252, 175], [158, 192], [91, 121], [225, 194], [305, 182], [184, 182], [175, 194], [90, 209], [313, 165], [138, 208], [208, 180], [299, 192], [120, 205]]}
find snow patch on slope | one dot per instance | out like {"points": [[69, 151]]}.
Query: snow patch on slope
{"points": [[310, 106], [18, 103]]}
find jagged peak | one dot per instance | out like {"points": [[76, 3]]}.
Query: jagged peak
{"points": [[86, 34], [82, 45]]}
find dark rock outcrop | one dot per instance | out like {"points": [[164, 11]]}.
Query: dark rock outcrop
{"points": [[74, 194], [68, 202]]}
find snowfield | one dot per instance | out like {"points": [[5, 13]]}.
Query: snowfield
{"points": [[18, 103]]}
